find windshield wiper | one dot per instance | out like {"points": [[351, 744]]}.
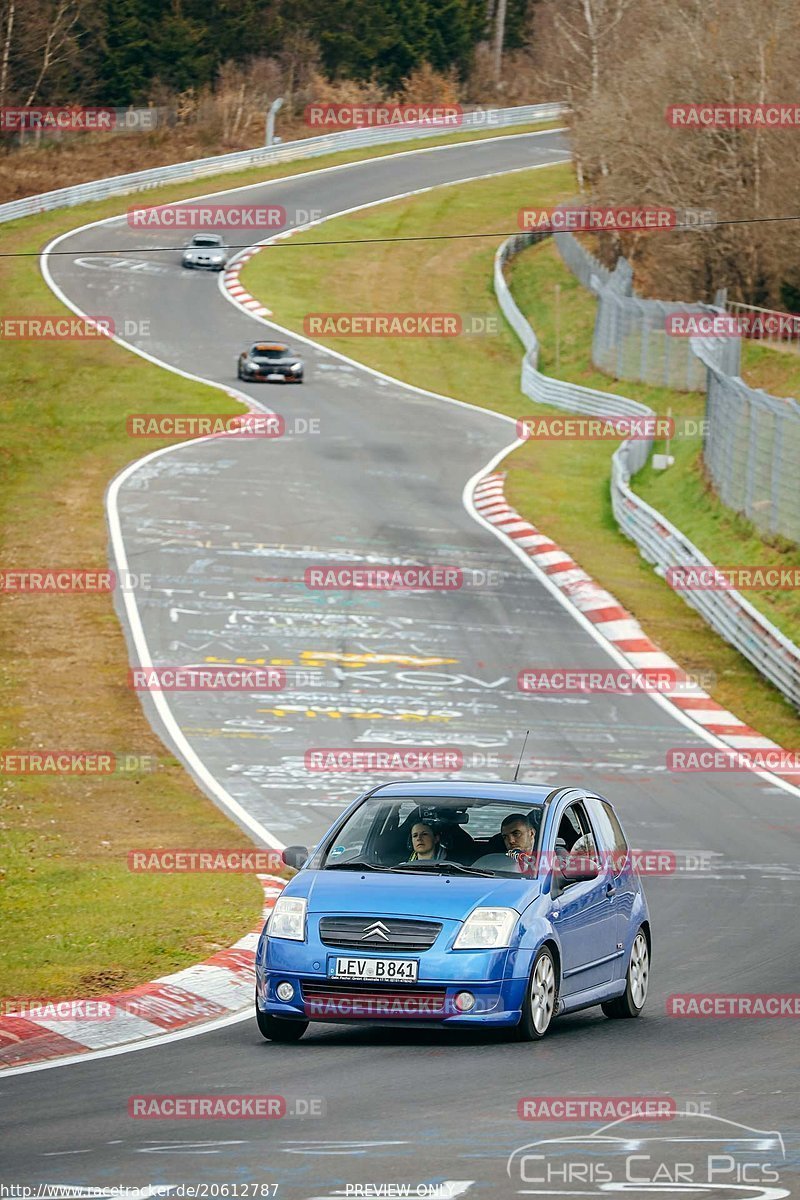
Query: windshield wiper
{"points": [[452, 868], [355, 864]]}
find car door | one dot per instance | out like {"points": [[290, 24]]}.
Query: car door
{"points": [[618, 855], [585, 912]]}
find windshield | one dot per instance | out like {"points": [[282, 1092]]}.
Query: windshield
{"points": [[453, 835], [206, 240], [272, 353]]}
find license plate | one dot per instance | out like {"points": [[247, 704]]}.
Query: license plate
{"points": [[389, 970], [273, 375]]}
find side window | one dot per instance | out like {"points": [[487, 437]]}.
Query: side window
{"points": [[610, 832], [575, 832], [349, 842]]}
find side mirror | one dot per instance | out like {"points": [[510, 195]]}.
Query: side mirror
{"points": [[295, 856], [579, 868]]}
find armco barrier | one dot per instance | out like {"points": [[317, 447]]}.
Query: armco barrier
{"points": [[630, 339], [752, 448], [770, 651], [328, 143]]}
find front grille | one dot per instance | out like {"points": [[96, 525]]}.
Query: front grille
{"points": [[335, 999], [388, 933]]}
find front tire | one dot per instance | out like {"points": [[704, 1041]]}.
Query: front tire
{"points": [[632, 1000], [276, 1029], [541, 998]]}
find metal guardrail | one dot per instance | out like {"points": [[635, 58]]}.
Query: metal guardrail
{"points": [[659, 542], [543, 388], [778, 330], [630, 339], [329, 143], [752, 444]]}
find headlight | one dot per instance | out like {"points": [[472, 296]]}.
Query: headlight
{"points": [[296, 367], [486, 929], [288, 919]]}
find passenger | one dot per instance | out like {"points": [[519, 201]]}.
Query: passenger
{"points": [[583, 853], [426, 842]]}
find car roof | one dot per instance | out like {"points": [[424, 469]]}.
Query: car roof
{"points": [[524, 794], [214, 237], [269, 346]]}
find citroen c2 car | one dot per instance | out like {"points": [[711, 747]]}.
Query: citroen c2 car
{"points": [[526, 906]]}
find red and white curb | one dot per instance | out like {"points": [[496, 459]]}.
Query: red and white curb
{"points": [[234, 288], [220, 986], [613, 622]]}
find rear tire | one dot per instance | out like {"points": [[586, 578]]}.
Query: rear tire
{"points": [[632, 1000], [541, 998], [276, 1029]]}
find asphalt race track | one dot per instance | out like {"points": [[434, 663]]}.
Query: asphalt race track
{"points": [[225, 530]]}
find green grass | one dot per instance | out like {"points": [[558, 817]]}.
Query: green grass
{"points": [[776, 371], [561, 487]]}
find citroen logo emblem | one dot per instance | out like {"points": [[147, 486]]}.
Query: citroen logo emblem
{"points": [[376, 930]]}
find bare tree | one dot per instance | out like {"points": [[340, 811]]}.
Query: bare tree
{"points": [[59, 22], [620, 71], [6, 32], [499, 37]]}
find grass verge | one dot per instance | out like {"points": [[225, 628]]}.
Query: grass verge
{"points": [[75, 920], [562, 487], [776, 371]]}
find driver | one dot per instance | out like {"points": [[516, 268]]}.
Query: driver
{"points": [[426, 842], [519, 835]]}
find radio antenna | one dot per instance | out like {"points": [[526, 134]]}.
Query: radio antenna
{"points": [[522, 751]]}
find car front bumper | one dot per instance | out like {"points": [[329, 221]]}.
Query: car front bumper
{"points": [[204, 266], [272, 377], [496, 979]]}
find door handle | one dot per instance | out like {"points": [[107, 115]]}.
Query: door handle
{"points": [[610, 890]]}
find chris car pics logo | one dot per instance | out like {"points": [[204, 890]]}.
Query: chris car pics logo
{"points": [[694, 1153]]}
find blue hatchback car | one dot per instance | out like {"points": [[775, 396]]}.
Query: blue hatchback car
{"points": [[451, 903]]}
